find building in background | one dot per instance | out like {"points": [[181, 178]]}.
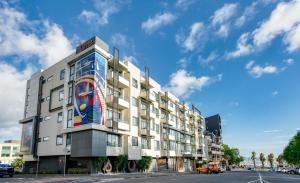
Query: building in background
{"points": [[9, 150], [91, 104], [213, 136]]}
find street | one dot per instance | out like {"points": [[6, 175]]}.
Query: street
{"points": [[230, 177]]}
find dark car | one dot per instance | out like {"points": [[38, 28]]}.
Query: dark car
{"points": [[6, 169]]}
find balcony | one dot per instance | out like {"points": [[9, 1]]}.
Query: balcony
{"points": [[188, 141], [147, 95], [114, 151], [144, 131], [145, 82], [143, 113], [163, 120], [122, 66], [121, 102], [146, 152], [122, 83], [170, 137], [118, 124]]}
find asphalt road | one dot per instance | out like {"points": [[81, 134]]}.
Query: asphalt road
{"points": [[230, 177]]}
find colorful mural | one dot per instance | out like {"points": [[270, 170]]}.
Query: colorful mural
{"points": [[89, 103]]}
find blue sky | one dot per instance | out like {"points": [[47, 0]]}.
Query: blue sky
{"points": [[236, 58]]}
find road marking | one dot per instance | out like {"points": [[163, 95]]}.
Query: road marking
{"points": [[112, 179], [260, 180]]}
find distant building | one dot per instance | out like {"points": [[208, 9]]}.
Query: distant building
{"points": [[213, 137], [9, 151]]}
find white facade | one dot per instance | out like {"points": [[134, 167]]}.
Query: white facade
{"points": [[150, 121], [9, 151]]}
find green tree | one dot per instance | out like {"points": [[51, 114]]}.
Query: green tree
{"points": [[232, 155], [291, 153], [271, 159], [253, 157], [144, 163], [18, 163], [280, 159], [122, 161], [262, 159]]}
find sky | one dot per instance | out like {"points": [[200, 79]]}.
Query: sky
{"points": [[239, 59]]}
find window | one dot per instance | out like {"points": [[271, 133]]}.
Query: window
{"points": [[135, 102], [59, 139], [146, 143], [70, 94], [15, 151], [69, 139], [113, 113], [134, 83], [144, 124], [61, 95], [5, 151], [47, 118], [135, 141], [113, 140], [45, 139], [135, 121], [157, 145], [172, 145], [157, 128], [70, 118], [72, 72], [59, 117], [62, 74], [49, 78]]}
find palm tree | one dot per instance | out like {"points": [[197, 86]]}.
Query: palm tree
{"points": [[253, 157], [262, 159], [280, 159], [271, 159]]}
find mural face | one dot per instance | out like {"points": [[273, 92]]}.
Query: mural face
{"points": [[89, 104]]}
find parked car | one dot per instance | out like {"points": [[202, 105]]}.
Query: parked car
{"points": [[294, 171], [212, 167], [6, 169]]}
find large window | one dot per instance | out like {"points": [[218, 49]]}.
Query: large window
{"points": [[70, 94], [62, 74], [144, 124], [135, 121], [135, 141], [61, 95], [146, 143], [70, 118], [5, 152], [172, 146], [69, 139], [134, 83], [157, 128], [135, 102], [59, 139], [113, 140], [72, 72], [157, 145], [59, 117], [110, 113], [15, 151]]}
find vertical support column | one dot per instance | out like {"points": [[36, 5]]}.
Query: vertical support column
{"points": [[116, 58]]}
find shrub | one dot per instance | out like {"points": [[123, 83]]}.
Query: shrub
{"points": [[78, 171], [122, 161], [144, 163], [100, 163]]}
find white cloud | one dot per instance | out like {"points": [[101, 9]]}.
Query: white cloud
{"points": [[190, 41], [183, 62], [242, 48], [131, 59], [104, 9], [159, 20], [221, 18], [12, 98], [184, 4], [275, 93], [119, 39], [283, 21], [247, 14], [49, 47], [210, 58], [257, 71], [289, 61], [272, 131], [182, 83]]}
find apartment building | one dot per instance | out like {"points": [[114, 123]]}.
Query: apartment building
{"points": [[9, 150], [213, 136], [91, 104]]}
